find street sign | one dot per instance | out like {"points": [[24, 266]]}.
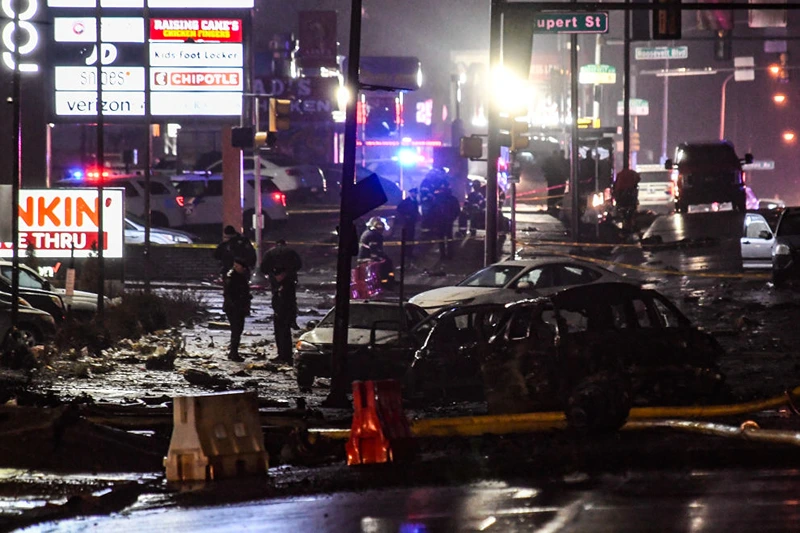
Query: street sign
{"points": [[744, 69], [661, 52], [597, 74], [760, 164], [588, 123], [570, 23], [638, 107]]}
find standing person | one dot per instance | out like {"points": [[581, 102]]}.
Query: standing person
{"points": [[446, 209], [233, 245], [280, 264], [236, 292], [474, 210], [555, 174], [407, 218]]}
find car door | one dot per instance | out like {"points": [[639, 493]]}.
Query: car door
{"points": [[567, 274], [756, 242], [531, 283]]}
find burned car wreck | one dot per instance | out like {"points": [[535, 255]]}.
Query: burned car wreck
{"points": [[592, 351]]}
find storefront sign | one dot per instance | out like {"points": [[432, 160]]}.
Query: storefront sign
{"points": [[55, 221], [196, 55], [85, 103], [182, 79], [85, 79], [198, 104], [84, 29]]}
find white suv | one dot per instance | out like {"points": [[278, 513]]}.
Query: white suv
{"points": [[164, 209], [290, 177], [201, 198]]}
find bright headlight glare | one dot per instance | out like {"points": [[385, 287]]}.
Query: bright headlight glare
{"points": [[781, 249]]}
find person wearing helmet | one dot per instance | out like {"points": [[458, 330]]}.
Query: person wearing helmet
{"points": [[371, 248], [371, 242]]}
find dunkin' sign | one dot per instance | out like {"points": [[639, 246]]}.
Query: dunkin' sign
{"points": [[58, 221]]}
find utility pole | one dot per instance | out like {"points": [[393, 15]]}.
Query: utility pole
{"points": [[573, 175], [626, 94], [337, 396], [493, 150], [16, 174], [101, 163]]}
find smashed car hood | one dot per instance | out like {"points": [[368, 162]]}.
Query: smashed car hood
{"points": [[355, 336]]}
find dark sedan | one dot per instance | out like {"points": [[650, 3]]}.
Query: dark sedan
{"points": [[45, 300], [34, 326]]}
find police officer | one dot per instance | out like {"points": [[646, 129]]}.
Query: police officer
{"points": [[407, 218], [280, 264], [233, 245], [236, 303], [446, 209]]}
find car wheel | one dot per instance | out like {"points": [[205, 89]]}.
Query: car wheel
{"points": [[599, 403], [159, 219], [305, 378], [28, 336]]}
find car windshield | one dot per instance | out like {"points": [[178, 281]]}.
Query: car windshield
{"points": [[495, 276], [789, 225], [714, 154], [363, 316], [266, 185]]}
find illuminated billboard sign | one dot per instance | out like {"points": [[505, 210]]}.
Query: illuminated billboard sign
{"points": [[85, 78], [56, 220], [28, 34], [197, 104], [183, 79], [196, 66], [84, 29], [123, 104], [196, 55], [196, 30]]}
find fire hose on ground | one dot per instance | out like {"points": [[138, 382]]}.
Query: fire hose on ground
{"points": [[640, 418]]}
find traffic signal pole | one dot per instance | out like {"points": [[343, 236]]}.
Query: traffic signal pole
{"points": [[493, 150], [337, 396]]}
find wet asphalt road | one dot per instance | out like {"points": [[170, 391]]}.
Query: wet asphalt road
{"points": [[691, 501], [704, 271]]}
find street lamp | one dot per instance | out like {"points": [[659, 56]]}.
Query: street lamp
{"points": [[779, 98], [789, 136], [722, 107]]}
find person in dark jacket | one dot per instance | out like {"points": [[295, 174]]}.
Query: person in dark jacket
{"points": [[407, 218], [234, 244], [236, 302], [281, 264], [446, 210], [473, 211]]}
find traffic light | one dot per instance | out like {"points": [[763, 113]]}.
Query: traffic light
{"points": [[723, 49], [264, 138], [783, 72], [279, 114], [667, 20], [471, 147], [519, 138], [242, 137], [635, 145]]}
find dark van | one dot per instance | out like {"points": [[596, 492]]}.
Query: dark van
{"points": [[708, 172]]}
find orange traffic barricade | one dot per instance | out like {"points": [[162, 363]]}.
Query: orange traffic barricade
{"points": [[380, 432]]}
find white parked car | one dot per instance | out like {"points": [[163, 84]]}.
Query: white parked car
{"points": [[201, 198], [164, 209], [511, 281], [290, 177], [80, 302], [135, 233]]}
